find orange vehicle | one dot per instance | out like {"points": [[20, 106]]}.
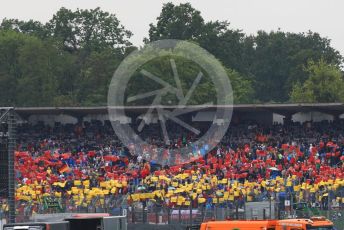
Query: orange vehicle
{"points": [[238, 224], [315, 223], [320, 223]]}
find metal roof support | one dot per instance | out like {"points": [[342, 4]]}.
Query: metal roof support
{"points": [[11, 121], [9, 116]]}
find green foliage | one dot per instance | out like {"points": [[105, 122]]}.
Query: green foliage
{"points": [[10, 73], [93, 90], [177, 22], [279, 59], [325, 83], [242, 87], [187, 71], [274, 61], [37, 82], [27, 27], [228, 45], [90, 29], [30, 69], [70, 60], [186, 23]]}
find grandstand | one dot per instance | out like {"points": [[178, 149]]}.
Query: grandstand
{"points": [[68, 159], [259, 112]]}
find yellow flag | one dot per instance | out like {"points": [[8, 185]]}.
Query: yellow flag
{"points": [[289, 183], [57, 194], [225, 195], [86, 182], [202, 200], [297, 188]]}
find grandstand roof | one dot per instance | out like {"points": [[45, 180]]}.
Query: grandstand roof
{"points": [[284, 109]]}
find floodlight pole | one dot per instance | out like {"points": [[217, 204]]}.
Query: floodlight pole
{"points": [[11, 121]]}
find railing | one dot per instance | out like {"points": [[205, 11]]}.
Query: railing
{"points": [[149, 212]]}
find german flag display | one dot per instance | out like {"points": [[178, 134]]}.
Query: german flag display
{"points": [[64, 168]]}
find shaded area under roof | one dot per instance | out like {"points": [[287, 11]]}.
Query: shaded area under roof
{"points": [[283, 109]]}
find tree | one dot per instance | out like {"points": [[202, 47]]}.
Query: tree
{"points": [[278, 61], [228, 45], [30, 27], [306, 47], [205, 91], [186, 23], [95, 77], [273, 60], [96, 41], [325, 83], [242, 87], [37, 85], [177, 22], [91, 29], [33, 72], [70, 59], [10, 43]]}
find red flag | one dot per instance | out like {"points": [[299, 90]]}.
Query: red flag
{"points": [[285, 146], [47, 154], [91, 153]]}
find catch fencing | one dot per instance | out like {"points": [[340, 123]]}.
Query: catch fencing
{"points": [[152, 213]]}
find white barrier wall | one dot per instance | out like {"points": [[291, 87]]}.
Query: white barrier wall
{"points": [[67, 119], [263, 117], [99, 117], [303, 117], [277, 118], [312, 116], [51, 119]]}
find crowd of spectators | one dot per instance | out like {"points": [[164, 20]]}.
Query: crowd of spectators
{"points": [[84, 162]]}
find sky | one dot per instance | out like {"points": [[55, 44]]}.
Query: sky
{"points": [[323, 16]]}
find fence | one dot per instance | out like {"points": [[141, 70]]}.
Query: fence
{"points": [[148, 212], [261, 210], [181, 216], [26, 209]]}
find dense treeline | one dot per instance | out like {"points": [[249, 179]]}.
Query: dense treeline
{"points": [[70, 60]]}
